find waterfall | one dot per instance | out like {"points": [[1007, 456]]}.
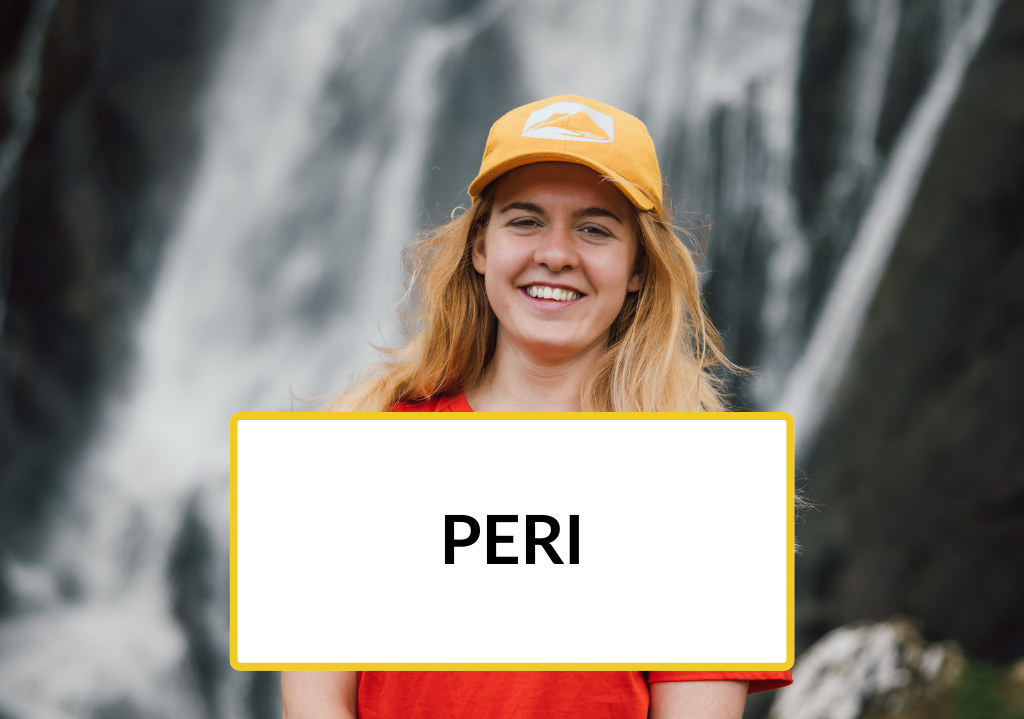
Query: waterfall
{"points": [[815, 376], [333, 129]]}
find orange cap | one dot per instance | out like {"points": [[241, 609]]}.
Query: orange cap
{"points": [[570, 128]]}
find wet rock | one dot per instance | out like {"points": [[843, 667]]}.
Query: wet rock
{"points": [[870, 670]]}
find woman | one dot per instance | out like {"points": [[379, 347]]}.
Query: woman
{"points": [[563, 288]]}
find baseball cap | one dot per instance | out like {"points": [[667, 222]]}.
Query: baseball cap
{"points": [[570, 128]]}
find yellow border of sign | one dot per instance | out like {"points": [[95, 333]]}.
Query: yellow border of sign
{"points": [[485, 416]]}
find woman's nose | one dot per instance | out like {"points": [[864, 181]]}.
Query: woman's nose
{"points": [[557, 249]]}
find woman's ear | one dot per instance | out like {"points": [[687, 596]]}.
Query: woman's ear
{"points": [[636, 280], [479, 249]]}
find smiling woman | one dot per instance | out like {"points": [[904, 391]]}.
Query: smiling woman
{"points": [[558, 256], [563, 288], [555, 208]]}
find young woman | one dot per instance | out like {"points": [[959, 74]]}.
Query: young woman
{"points": [[563, 288]]}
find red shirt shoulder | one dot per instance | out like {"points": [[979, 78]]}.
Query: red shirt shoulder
{"points": [[442, 403]]}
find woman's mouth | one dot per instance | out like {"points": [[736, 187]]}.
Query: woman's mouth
{"points": [[543, 292]]}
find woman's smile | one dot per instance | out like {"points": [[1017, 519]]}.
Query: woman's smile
{"points": [[552, 293]]}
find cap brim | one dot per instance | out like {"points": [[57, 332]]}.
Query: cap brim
{"points": [[635, 195]]}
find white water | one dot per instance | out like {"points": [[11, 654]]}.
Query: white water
{"points": [[318, 130]]}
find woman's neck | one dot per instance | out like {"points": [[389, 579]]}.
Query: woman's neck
{"points": [[515, 381]]}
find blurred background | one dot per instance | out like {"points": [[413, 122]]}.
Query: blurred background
{"points": [[202, 206]]}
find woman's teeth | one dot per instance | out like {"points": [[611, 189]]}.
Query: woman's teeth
{"points": [[551, 293]]}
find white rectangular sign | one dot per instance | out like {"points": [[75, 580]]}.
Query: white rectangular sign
{"points": [[428, 541]]}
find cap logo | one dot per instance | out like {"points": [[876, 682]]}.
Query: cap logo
{"points": [[570, 121]]}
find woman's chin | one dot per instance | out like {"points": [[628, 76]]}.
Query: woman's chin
{"points": [[549, 351]]}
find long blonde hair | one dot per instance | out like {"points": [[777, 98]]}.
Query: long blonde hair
{"points": [[661, 348]]}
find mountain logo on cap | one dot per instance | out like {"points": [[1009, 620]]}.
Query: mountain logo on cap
{"points": [[570, 121]]}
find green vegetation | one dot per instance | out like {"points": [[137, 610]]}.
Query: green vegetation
{"points": [[986, 692]]}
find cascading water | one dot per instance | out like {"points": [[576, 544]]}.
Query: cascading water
{"points": [[333, 130]]}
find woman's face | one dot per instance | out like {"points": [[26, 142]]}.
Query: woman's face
{"points": [[558, 256]]}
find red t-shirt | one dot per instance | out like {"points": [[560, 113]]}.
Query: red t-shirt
{"points": [[523, 695]]}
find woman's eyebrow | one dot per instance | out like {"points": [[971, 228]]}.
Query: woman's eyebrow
{"points": [[595, 212], [525, 206]]}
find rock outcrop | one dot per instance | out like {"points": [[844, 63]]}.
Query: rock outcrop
{"points": [[870, 670]]}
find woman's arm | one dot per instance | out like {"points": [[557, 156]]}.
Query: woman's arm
{"points": [[318, 695], [698, 700]]}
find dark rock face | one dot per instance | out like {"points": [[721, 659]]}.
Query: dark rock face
{"points": [[189, 571], [83, 223], [920, 468], [823, 73], [914, 57], [13, 17], [740, 250], [832, 186]]}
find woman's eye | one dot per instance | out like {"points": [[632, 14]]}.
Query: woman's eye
{"points": [[525, 222], [594, 231]]}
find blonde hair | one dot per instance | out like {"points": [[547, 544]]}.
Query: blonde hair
{"points": [[661, 348]]}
